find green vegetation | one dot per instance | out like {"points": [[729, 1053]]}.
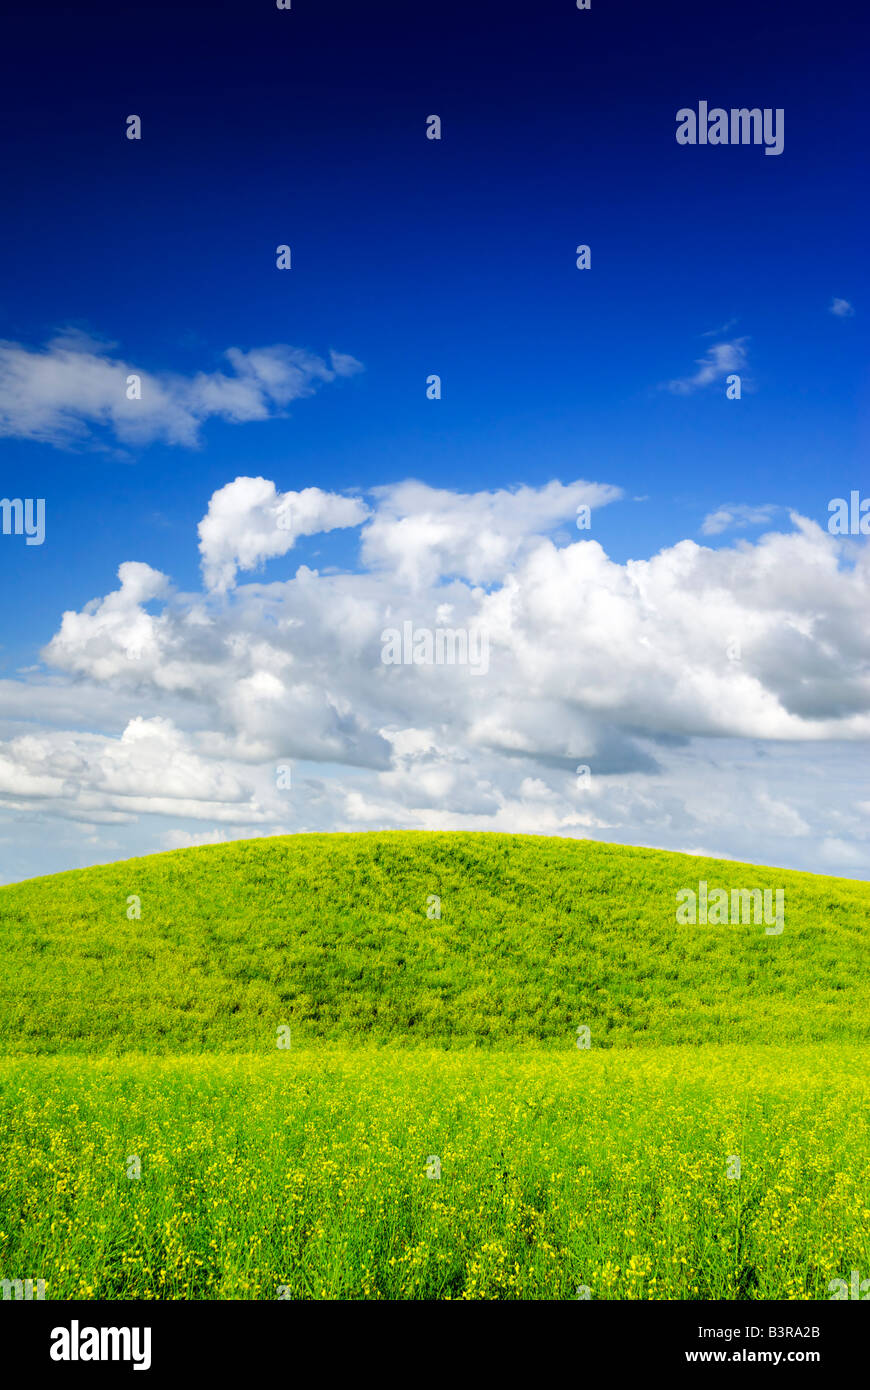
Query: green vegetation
{"points": [[308, 1170], [329, 934], [149, 1045]]}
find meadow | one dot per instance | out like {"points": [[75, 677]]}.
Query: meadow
{"points": [[432, 1130]]}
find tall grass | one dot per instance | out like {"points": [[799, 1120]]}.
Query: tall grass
{"points": [[307, 1174]]}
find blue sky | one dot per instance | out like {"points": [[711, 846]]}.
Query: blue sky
{"points": [[411, 256]]}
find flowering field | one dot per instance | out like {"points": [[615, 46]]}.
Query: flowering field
{"points": [[430, 1066], [418, 1174]]}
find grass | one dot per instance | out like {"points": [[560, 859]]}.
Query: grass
{"points": [[329, 934], [302, 1172], [308, 1171]]}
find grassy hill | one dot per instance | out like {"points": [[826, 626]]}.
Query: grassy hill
{"points": [[433, 1132], [329, 934]]}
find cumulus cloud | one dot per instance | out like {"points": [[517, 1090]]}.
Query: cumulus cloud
{"points": [[153, 767], [714, 694], [72, 389], [250, 521], [109, 633], [841, 309], [422, 533], [720, 360]]}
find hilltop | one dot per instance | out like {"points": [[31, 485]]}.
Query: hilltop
{"points": [[329, 934]]}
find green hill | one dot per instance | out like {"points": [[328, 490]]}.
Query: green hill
{"points": [[329, 934], [432, 1132]]}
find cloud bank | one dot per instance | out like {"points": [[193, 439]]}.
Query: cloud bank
{"points": [[717, 697]]}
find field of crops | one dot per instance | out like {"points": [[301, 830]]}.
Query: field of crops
{"points": [[156, 1141], [433, 1175]]}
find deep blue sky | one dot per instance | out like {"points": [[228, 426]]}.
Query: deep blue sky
{"points": [[307, 127]]}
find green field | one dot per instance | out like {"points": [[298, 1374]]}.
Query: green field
{"points": [[151, 1042]]}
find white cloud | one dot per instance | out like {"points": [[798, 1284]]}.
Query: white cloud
{"points": [[69, 391], [721, 331], [110, 633], [720, 360], [189, 839], [843, 856], [152, 768], [422, 533], [841, 308], [249, 521], [736, 516], [628, 668]]}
